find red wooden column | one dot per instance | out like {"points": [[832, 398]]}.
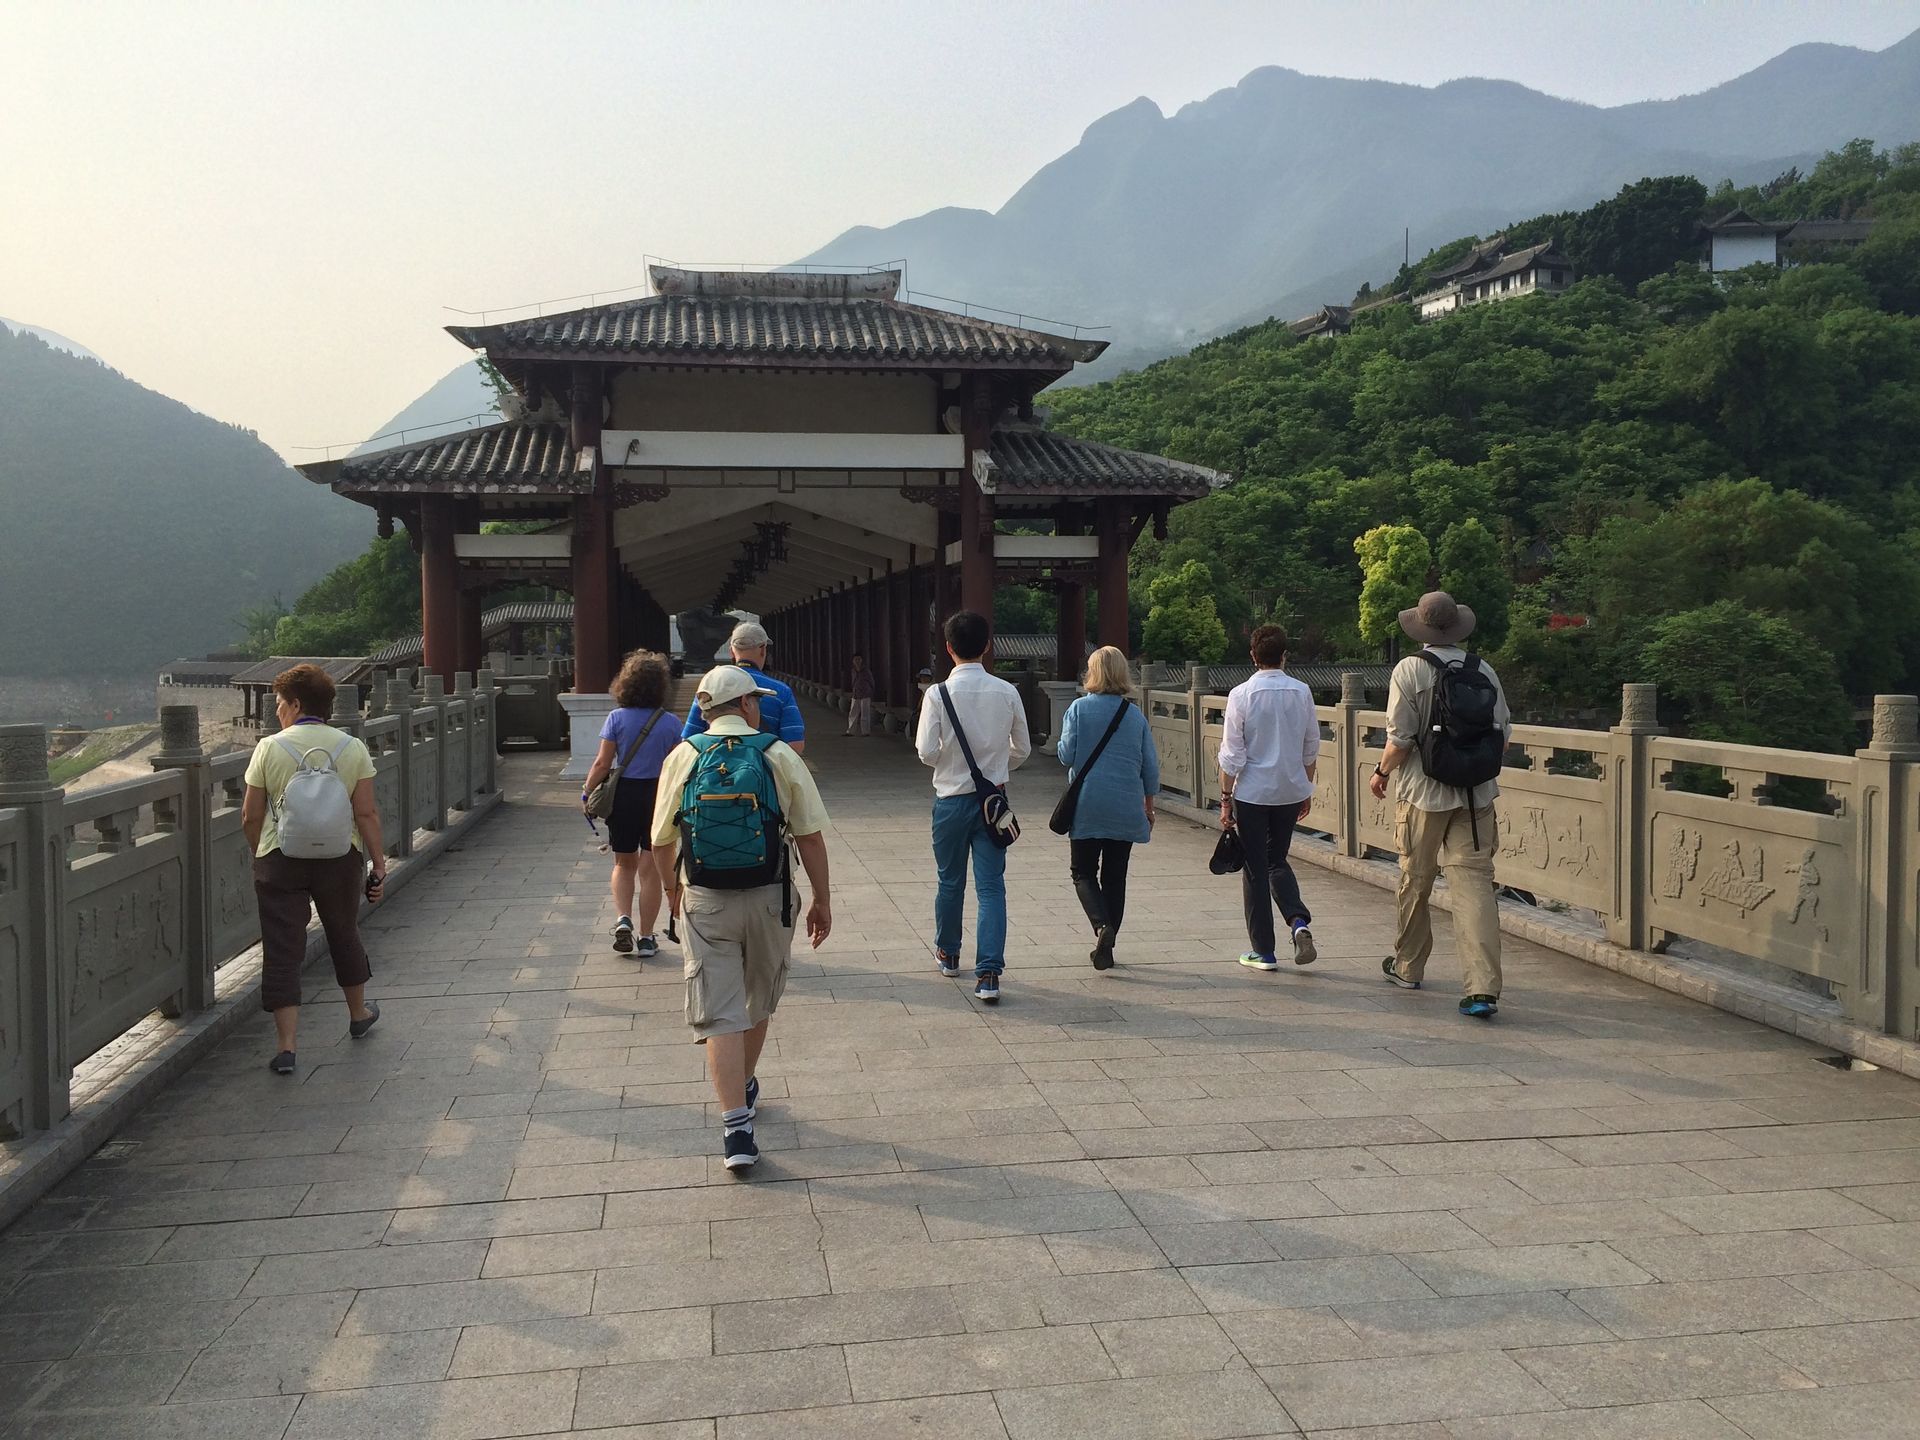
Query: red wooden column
{"points": [[882, 657], [473, 648], [919, 629], [1072, 629], [976, 509], [593, 618], [946, 531], [1110, 524], [439, 587]]}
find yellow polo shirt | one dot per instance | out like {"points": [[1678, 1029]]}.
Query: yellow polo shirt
{"points": [[272, 767], [800, 803]]}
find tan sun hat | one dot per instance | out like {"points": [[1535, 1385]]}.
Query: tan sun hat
{"points": [[726, 683], [1438, 620]]}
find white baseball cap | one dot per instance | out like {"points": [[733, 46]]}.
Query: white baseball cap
{"points": [[726, 683]]}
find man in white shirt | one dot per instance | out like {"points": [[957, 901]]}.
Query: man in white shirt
{"points": [[1267, 759], [1441, 827], [995, 726]]}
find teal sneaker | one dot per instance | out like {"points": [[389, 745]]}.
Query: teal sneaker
{"points": [[1480, 1007], [1259, 962]]}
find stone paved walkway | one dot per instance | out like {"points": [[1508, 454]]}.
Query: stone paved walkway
{"points": [[1178, 1199]]}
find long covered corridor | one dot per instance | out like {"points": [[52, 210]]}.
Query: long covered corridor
{"points": [[1175, 1199]]}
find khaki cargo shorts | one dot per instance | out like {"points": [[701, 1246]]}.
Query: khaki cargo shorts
{"points": [[736, 958]]}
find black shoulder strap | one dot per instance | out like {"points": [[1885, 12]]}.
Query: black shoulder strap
{"points": [[1471, 663], [980, 781], [1112, 730]]}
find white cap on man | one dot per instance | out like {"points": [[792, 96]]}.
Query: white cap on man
{"points": [[724, 684], [748, 635]]}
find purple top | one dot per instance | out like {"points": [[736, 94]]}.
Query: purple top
{"points": [[624, 726], [863, 684]]}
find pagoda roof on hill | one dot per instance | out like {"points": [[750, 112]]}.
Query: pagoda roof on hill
{"points": [[709, 317]]}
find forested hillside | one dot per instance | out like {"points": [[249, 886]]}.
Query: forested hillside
{"points": [[137, 530], [1652, 477]]}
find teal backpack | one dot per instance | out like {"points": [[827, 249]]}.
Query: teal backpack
{"points": [[734, 836]]}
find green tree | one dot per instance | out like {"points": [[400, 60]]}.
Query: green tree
{"points": [[1748, 677], [1473, 572], [1182, 623], [1395, 560], [362, 605]]}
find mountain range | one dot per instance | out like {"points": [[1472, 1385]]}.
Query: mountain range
{"points": [[1288, 190]]}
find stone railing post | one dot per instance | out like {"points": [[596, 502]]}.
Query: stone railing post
{"points": [[1346, 755], [462, 796], [1885, 992], [346, 710], [26, 786], [1629, 802], [400, 701], [180, 749], [436, 699], [377, 695], [486, 694], [1059, 695], [1196, 740]]}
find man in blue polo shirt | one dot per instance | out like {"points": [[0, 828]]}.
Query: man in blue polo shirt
{"points": [[779, 711]]}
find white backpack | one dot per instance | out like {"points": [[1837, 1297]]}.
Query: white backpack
{"points": [[315, 814]]}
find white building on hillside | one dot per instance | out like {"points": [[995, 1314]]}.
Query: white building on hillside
{"points": [[1487, 274], [1737, 240]]}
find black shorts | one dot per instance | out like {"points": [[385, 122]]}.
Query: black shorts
{"points": [[630, 827]]}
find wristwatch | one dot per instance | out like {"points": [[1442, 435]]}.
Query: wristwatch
{"points": [[1381, 773]]}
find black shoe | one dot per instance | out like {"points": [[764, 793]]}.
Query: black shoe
{"points": [[1394, 977], [358, 1028], [1102, 956], [282, 1064], [753, 1096], [741, 1152], [623, 936]]}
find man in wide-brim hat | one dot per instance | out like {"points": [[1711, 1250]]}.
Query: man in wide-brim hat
{"points": [[1439, 826]]}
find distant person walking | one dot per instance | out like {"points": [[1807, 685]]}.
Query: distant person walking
{"points": [[1446, 716], [779, 711], [1107, 746], [634, 743], [971, 710], [860, 707], [729, 802], [1267, 760], [313, 825]]}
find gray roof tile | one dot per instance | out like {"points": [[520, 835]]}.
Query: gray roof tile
{"points": [[1045, 462]]}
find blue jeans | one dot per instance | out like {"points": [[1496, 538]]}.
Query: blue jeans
{"points": [[957, 831]]}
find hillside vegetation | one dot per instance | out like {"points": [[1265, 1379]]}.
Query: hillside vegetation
{"points": [[1652, 477], [138, 530]]}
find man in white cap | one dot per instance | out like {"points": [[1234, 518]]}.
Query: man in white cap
{"points": [[779, 711], [1446, 712], [729, 802]]}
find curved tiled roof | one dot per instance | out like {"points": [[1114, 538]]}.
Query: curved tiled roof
{"points": [[512, 456], [1044, 462]]}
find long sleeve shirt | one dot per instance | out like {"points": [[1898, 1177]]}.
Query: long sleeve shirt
{"points": [[995, 722], [1272, 737], [1409, 699]]}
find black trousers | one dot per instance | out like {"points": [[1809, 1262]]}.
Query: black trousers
{"points": [[1266, 835], [1100, 870]]}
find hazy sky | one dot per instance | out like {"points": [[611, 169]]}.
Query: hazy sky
{"points": [[262, 209]]}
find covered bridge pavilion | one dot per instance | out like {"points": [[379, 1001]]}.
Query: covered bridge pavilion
{"points": [[811, 448]]}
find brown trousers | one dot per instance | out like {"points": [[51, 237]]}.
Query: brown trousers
{"points": [[288, 892], [1436, 840]]}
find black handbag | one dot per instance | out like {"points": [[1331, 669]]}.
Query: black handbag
{"points": [[1228, 856], [1064, 809], [996, 811]]}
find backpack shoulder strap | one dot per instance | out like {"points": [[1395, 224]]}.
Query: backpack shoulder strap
{"points": [[299, 755], [1432, 659], [1471, 663]]}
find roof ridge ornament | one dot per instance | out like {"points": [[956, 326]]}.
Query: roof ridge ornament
{"points": [[774, 284]]}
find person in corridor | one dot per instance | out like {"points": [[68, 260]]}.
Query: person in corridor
{"points": [[1115, 807], [995, 724], [1440, 827], [729, 802], [779, 711], [1267, 760], [637, 737], [860, 705], [289, 889]]}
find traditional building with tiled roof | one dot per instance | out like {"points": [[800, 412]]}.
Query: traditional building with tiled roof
{"points": [[1737, 240]]}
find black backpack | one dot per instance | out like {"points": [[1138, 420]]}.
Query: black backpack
{"points": [[1462, 745]]}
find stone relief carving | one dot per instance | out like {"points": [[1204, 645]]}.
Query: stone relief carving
{"points": [[1683, 861], [113, 937], [1806, 894], [1730, 883]]}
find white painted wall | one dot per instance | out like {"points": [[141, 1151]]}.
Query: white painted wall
{"points": [[1736, 252], [812, 400]]}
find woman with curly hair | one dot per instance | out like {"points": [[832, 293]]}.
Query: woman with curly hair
{"points": [[634, 744]]}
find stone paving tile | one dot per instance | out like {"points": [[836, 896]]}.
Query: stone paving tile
{"points": [[1469, 1322], [80, 1289], [1345, 1393], [1730, 1257], [1075, 1300], [490, 1220], [1862, 1294], [535, 1345], [298, 1236], [1196, 1407], [291, 1367], [468, 1302], [1761, 1210], [1662, 1420], [1864, 1353], [1288, 1284], [900, 1369], [677, 1283], [1089, 1252], [483, 1409], [713, 1386], [1846, 1410], [1572, 1220], [1525, 1267], [369, 1269], [87, 1382], [1631, 1372], [1391, 1233], [1698, 1307], [595, 1249], [1176, 1345], [946, 1417], [218, 1420], [836, 1320]]}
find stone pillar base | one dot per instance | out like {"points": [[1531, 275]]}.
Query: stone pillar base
{"points": [[1060, 694], [586, 713]]}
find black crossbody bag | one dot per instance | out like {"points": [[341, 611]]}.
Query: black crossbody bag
{"points": [[996, 812], [1068, 804]]}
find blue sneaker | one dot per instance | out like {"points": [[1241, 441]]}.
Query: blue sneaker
{"points": [[949, 964], [987, 991], [753, 1096], [1480, 1007], [1259, 962]]}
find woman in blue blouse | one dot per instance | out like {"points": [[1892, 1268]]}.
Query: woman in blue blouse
{"points": [[1115, 811]]}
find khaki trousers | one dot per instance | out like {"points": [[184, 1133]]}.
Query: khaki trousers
{"points": [[1436, 840]]}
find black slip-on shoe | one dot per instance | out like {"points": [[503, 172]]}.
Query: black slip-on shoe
{"points": [[358, 1028]]}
